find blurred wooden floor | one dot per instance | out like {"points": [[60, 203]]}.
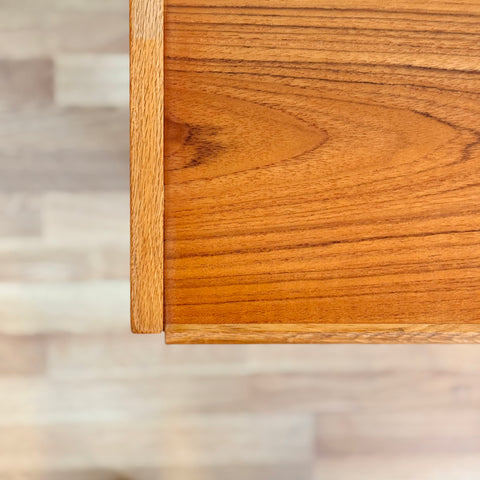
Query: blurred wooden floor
{"points": [[81, 398]]}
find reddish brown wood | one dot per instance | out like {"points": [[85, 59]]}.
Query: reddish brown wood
{"points": [[322, 171]]}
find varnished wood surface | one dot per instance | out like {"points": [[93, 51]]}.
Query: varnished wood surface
{"points": [[322, 167], [146, 165], [326, 333], [81, 398]]}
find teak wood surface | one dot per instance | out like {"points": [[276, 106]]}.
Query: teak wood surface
{"points": [[322, 172], [147, 170]]}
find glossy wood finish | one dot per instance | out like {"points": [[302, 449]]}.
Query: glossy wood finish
{"points": [[84, 399], [146, 164], [322, 169]]}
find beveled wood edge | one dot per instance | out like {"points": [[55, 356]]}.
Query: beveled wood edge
{"points": [[322, 333], [146, 165]]}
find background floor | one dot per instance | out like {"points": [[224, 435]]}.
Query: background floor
{"points": [[82, 398]]}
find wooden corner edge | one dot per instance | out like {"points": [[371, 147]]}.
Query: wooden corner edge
{"points": [[146, 165], [367, 333]]}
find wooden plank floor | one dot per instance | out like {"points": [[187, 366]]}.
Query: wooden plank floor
{"points": [[81, 398]]}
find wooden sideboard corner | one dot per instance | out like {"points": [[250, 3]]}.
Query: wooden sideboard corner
{"points": [[316, 178]]}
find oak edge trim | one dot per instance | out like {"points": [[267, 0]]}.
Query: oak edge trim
{"points": [[322, 333], [146, 20]]}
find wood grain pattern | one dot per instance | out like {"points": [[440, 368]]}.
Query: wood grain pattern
{"points": [[322, 167], [146, 169], [323, 333], [83, 399]]}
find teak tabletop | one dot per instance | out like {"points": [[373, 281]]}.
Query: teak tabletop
{"points": [[306, 170]]}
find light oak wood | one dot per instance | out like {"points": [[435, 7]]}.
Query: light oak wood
{"points": [[251, 439], [22, 355], [29, 82], [63, 149], [146, 169], [82, 81], [428, 467], [368, 432], [28, 31], [322, 171]]}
